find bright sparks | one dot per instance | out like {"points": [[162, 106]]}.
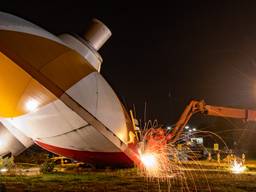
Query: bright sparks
{"points": [[237, 167], [158, 159], [156, 164], [149, 160], [153, 165], [3, 170]]}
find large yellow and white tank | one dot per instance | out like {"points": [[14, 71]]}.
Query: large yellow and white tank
{"points": [[51, 93]]}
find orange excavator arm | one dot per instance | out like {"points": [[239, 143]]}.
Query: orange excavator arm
{"points": [[201, 107]]}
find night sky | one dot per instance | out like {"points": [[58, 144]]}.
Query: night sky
{"points": [[165, 53]]}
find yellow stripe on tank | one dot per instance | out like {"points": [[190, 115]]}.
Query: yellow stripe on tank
{"points": [[34, 70], [56, 62], [19, 92]]}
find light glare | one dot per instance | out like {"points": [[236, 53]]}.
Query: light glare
{"points": [[1, 142], [32, 105]]}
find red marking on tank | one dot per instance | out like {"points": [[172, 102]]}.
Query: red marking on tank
{"points": [[98, 158]]}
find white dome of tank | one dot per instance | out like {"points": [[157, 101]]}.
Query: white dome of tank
{"points": [[56, 95]]}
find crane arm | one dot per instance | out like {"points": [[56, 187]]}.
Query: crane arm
{"points": [[201, 107]]}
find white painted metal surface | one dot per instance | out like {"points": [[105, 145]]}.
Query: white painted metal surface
{"points": [[96, 96], [57, 125], [97, 34], [13, 23], [88, 53], [9, 143], [87, 117]]}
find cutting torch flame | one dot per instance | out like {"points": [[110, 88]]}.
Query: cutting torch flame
{"points": [[151, 164], [149, 161]]}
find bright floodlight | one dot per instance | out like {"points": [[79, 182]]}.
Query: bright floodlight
{"points": [[32, 105], [194, 129], [186, 127]]}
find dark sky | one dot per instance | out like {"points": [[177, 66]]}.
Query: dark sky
{"points": [[165, 53]]}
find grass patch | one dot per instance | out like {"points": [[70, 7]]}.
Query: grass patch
{"points": [[127, 180]]}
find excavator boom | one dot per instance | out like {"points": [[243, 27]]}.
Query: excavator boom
{"points": [[244, 114], [200, 107]]}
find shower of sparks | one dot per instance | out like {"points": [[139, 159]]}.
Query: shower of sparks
{"points": [[149, 160], [158, 157], [237, 167], [161, 164], [157, 164], [165, 162]]}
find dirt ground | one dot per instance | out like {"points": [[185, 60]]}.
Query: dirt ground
{"points": [[206, 177]]}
